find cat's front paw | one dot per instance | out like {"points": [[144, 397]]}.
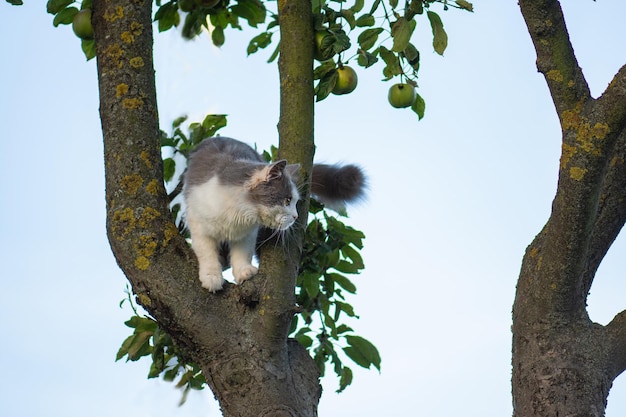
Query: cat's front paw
{"points": [[245, 272], [212, 282]]}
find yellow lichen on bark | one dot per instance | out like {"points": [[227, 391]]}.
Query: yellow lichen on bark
{"points": [[121, 90], [567, 152], [112, 15], [148, 215], [555, 75], [169, 233], [142, 263], [146, 245], [127, 37], [136, 28], [123, 223], [145, 157], [136, 62], [152, 187], [577, 173], [115, 54], [131, 183], [132, 103]]}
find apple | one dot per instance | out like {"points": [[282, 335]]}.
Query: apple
{"points": [[346, 80], [81, 24], [321, 51], [401, 95]]}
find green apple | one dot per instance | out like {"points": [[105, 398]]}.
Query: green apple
{"points": [[401, 95], [81, 25], [346, 80], [322, 39]]}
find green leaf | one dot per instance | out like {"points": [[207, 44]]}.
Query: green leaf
{"points": [[345, 378], [65, 16], [123, 350], [167, 16], [352, 254], [252, 10], [362, 352], [325, 85], [193, 24], [366, 59], [419, 107], [274, 55], [358, 6], [392, 62], [89, 48], [179, 121], [375, 6], [311, 284], [465, 5], [348, 15], [260, 41], [55, 6], [304, 340], [347, 267], [343, 282], [401, 32], [213, 122], [412, 55], [141, 324], [365, 20], [15, 2], [440, 37], [169, 167], [368, 38], [140, 346]]}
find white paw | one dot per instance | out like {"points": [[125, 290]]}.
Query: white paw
{"points": [[243, 273], [212, 282]]}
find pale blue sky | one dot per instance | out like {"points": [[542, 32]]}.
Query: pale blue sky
{"points": [[454, 200]]}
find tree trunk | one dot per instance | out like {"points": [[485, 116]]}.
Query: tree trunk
{"points": [[238, 336], [563, 363]]}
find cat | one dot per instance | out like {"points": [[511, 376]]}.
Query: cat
{"points": [[230, 192]]}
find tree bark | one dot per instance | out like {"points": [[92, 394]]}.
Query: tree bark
{"points": [[238, 336], [563, 363]]}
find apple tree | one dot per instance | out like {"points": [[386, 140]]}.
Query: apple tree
{"points": [[255, 344]]}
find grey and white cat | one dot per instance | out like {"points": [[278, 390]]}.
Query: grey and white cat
{"points": [[230, 192]]}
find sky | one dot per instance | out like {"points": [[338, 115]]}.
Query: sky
{"points": [[453, 202]]}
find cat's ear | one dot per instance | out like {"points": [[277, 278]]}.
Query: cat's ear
{"points": [[293, 170], [275, 170]]}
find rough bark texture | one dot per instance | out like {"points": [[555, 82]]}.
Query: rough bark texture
{"points": [[238, 336], [563, 363]]}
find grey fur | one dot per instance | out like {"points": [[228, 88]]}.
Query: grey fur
{"points": [[233, 161]]}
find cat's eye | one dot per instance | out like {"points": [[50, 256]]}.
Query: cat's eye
{"points": [[287, 201]]}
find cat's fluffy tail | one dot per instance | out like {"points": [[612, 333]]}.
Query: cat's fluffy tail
{"points": [[336, 185]]}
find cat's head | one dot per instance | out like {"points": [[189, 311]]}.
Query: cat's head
{"points": [[273, 190]]}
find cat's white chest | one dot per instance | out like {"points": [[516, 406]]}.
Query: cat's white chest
{"points": [[223, 211]]}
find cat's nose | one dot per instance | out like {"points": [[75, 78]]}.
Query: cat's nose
{"points": [[295, 217]]}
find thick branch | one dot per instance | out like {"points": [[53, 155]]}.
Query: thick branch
{"points": [[617, 333], [295, 129], [611, 214], [590, 131], [237, 336], [555, 54]]}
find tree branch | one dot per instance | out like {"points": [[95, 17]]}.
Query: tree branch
{"points": [[617, 333], [555, 54], [611, 213]]}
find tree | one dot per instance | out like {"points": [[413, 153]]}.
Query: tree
{"points": [[550, 316], [563, 363]]}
